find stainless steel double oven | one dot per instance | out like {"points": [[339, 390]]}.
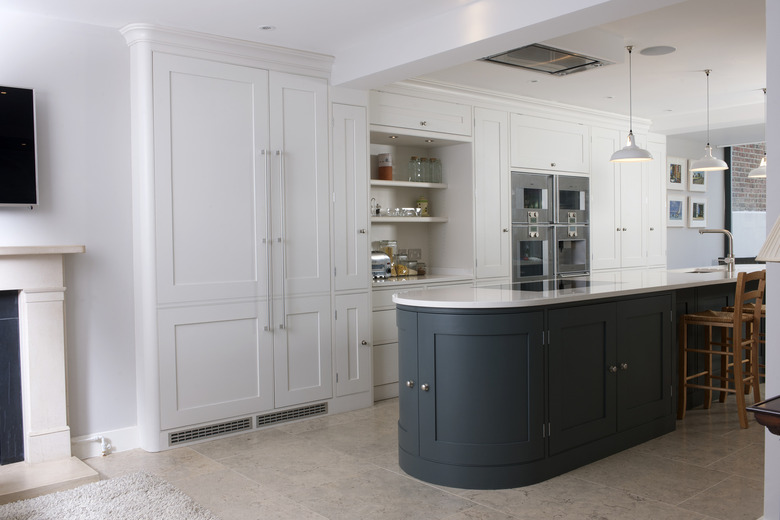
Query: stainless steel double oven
{"points": [[550, 232]]}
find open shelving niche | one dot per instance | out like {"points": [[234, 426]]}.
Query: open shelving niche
{"points": [[446, 237]]}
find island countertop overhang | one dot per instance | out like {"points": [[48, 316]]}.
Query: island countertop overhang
{"points": [[599, 285]]}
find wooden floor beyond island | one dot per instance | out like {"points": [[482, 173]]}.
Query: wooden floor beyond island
{"points": [[345, 467]]}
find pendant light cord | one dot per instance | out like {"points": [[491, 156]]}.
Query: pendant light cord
{"points": [[630, 94], [707, 72]]}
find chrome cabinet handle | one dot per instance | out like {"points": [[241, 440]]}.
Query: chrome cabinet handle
{"points": [[267, 240], [425, 387], [410, 384], [612, 369], [623, 366], [282, 238]]}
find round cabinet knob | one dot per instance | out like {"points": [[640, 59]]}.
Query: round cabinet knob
{"points": [[552, 164], [506, 230], [364, 342], [363, 231], [618, 229], [623, 366], [423, 123], [612, 369], [624, 229], [652, 229], [425, 387], [410, 384]]}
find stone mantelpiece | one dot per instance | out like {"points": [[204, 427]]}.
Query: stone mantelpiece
{"points": [[36, 272]]}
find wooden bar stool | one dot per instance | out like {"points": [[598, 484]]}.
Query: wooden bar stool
{"points": [[750, 308], [738, 350]]}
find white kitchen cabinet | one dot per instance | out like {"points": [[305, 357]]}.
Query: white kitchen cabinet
{"points": [[353, 344], [400, 111], [624, 207], [491, 194], [350, 197], [548, 144], [242, 206], [656, 202]]}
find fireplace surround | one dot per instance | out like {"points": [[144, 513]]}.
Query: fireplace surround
{"points": [[37, 273]]}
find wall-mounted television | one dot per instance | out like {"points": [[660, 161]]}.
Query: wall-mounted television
{"points": [[18, 164]]}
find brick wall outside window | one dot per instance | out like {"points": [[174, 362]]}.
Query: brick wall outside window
{"points": [[747, 194]]}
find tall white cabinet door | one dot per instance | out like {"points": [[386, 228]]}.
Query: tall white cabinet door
{"points": [[656, 205], [350, 202], [211, 127], [302, 350], [300, 184], [353, 348], [605, 200], [632, 204], [491, 182]]}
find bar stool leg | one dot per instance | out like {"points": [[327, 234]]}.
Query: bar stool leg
{"points": [[739, 382], [724, 365]]}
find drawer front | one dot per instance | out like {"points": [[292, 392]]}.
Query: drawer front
{"points": [[384, 329], [420, 114], [382, 300]]}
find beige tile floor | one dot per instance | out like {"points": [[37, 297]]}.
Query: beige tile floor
{"points": [[345, 467]]}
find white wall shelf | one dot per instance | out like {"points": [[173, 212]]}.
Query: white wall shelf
{"points": [[408, 184], [396, 220]]}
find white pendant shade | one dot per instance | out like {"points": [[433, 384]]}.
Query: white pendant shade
{"points": [[708, 163], [760, 171], [770, 251], [631, 152]]}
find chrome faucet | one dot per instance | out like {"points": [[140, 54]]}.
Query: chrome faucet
{"points": [[730, 258]]}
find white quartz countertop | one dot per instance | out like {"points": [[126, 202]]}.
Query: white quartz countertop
{"points": [[581, 288]]}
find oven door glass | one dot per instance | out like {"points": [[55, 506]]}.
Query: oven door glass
{"points": [[573, 204], [531, 198], [532, 253]]}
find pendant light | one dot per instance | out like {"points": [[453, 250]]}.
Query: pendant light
{"points": [[760, 172], [631, 152], [708, 163]]}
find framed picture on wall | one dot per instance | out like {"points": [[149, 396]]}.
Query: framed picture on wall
{"points": [[675, 211], [676, 173], [697, 181], [697, 211]]}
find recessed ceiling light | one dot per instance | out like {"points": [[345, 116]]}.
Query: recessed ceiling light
{"points": [[267, 27], [658, 50]]}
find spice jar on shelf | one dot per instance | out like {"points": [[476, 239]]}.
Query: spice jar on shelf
{"points": [[422, 203]]}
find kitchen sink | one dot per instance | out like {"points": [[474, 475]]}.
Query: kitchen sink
{"points": [[707, 269]]}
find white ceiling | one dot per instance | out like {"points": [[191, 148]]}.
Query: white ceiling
{"points": [[375, 43]]}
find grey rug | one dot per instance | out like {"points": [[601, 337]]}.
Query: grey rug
{"points": [[132, 497]]}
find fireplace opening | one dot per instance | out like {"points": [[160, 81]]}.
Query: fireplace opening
{"points": [[11, 425]]}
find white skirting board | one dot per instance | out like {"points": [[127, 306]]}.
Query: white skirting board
{"points": [[87, 446]]}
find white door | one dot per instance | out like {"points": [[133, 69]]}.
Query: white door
{"points": [[302, 350], [604, 198], [656, 205], [632, 204], [492, 194], [299, 184], [211, 128], [353, 344], [350, 201]]}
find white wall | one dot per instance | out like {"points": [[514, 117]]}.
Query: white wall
{"points": [[80, 74], [685, 247]]}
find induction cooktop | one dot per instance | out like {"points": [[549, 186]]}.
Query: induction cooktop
{"points": [[549, 285]]}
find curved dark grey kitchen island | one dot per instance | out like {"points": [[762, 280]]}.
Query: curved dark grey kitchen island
{"points": [[506, 386]]}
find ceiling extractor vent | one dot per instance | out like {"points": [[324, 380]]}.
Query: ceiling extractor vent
{"points": [[541, 58]]}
